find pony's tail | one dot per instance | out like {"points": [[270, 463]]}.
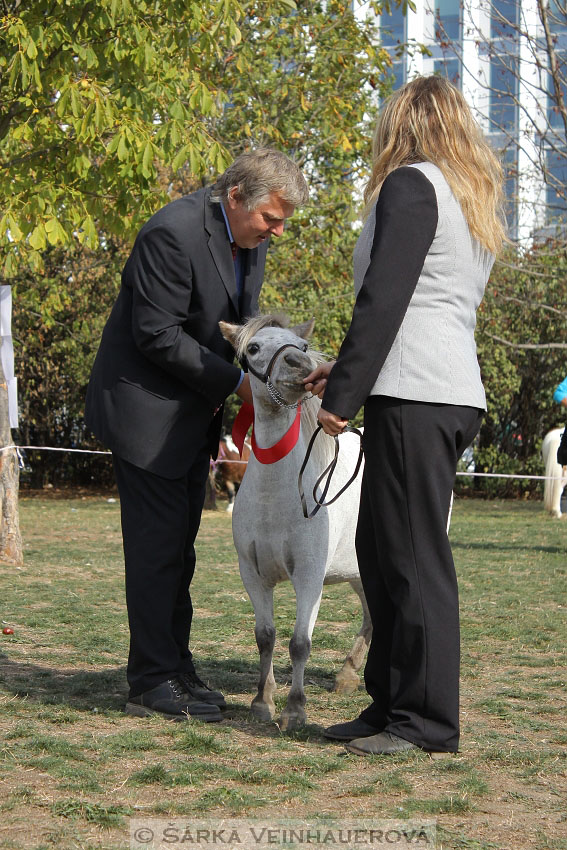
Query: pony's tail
{"points": [[552, 489]]}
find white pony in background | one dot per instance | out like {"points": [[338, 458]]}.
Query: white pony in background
{"points": [[553, 488], [273, 539]]}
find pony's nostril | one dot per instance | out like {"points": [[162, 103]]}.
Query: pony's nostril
{"points": [[292, 359]]}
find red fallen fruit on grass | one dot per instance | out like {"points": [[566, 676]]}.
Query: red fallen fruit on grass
{"points": [[7, 631]]}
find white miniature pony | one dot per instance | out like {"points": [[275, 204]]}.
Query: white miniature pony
{"points": [[273, 539], [553, 489]]}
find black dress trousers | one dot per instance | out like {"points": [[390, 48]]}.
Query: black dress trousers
{"points": [[406, 565], [160, 520]]}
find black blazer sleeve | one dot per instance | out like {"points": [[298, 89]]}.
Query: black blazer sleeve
{"points": [[406, 221]]}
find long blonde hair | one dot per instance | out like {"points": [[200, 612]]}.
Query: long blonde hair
{"points": [[429, 120]]}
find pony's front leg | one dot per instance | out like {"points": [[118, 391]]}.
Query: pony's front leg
{"points": [[262, 598], [299, 650], [263, 706], [231, 491]]}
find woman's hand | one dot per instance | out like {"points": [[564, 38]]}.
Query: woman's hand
{"points": [[331, 423], [316, 381]]}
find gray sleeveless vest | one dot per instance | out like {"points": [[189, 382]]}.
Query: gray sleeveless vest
{"points": [[433, 357]]}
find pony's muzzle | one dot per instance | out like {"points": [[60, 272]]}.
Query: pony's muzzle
{"points": [[292, 359]]}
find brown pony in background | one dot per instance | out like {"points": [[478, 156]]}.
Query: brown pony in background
{"points": [[227, 471]]}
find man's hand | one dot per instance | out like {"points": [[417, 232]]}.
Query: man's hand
{"points": [[244, 391], [331, 423], [316, 381]]}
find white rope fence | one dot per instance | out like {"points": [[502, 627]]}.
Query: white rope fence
{"points": [[220, 460]]}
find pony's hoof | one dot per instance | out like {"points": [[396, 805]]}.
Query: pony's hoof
{"points": [[229, 508], [289, 722], [262, 711], [346, 684]]}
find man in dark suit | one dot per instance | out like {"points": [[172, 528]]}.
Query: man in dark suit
{"points": [[155, 398]]}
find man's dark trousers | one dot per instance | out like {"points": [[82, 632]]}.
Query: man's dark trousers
{"points": [[406, 566], [160, 521]]}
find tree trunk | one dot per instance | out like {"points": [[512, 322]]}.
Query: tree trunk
{"points": [[10, 538]]}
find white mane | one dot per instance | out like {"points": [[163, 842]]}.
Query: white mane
{"points": [[252, 326]]}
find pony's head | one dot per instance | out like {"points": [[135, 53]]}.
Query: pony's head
{"points": [[272, 349], [240, 336]]}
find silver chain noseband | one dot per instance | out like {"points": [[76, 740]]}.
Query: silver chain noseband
{"points": [[266, 379]]}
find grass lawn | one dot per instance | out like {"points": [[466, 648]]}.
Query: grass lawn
{"points": [[76, 770]]}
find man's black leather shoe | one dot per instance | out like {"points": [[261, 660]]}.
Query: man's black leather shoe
{"points": [[171, 700], [350, 730], [201, 692]]}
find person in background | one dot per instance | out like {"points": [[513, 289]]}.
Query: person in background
{"points": [[421, 264], [155, 398], [560, 394]]}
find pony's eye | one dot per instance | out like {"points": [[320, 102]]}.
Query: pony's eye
{"points": [[253, 348], [305, 346]]}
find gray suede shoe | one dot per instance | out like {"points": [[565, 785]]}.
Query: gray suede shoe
{"points": [[382, 744]]}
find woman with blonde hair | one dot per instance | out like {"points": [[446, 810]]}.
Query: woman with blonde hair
{"points": [[433, 226]]}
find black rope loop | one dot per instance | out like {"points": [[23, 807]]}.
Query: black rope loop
{"points": [[328, 471]]}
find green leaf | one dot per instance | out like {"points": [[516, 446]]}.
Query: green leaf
{"points": [[31, 49], [55, 232], [194, 160], [177, 110], [181, 157], [206, 100], [122, 149], [99, 115], [24, 70], [147, 159], [75, 101], [37, 237], [88, 232], [14, 229], [113, 144]]}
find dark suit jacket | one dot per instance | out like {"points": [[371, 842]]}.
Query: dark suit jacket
{"points": [[163, 367]]}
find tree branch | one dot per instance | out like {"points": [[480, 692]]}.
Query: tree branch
{"points": [[527, 346], [524, 302], [553, 64]]}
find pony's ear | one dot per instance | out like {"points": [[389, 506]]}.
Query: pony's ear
{"points": [[305, 330], [230, 332]]}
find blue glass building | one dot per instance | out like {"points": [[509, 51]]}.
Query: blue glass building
{"points": [[497, 54]]}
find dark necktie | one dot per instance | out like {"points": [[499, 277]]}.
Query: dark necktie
{"points": [[237, 259]]}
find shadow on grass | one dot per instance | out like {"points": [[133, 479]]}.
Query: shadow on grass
{"points": [[107, 690], [240, 675], [83, 690], [507, 547]]}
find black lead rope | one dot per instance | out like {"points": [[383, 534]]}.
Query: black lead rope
{"points": [[321, 503]]}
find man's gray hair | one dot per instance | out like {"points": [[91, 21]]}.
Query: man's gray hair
{"points": [[257, 174]]}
